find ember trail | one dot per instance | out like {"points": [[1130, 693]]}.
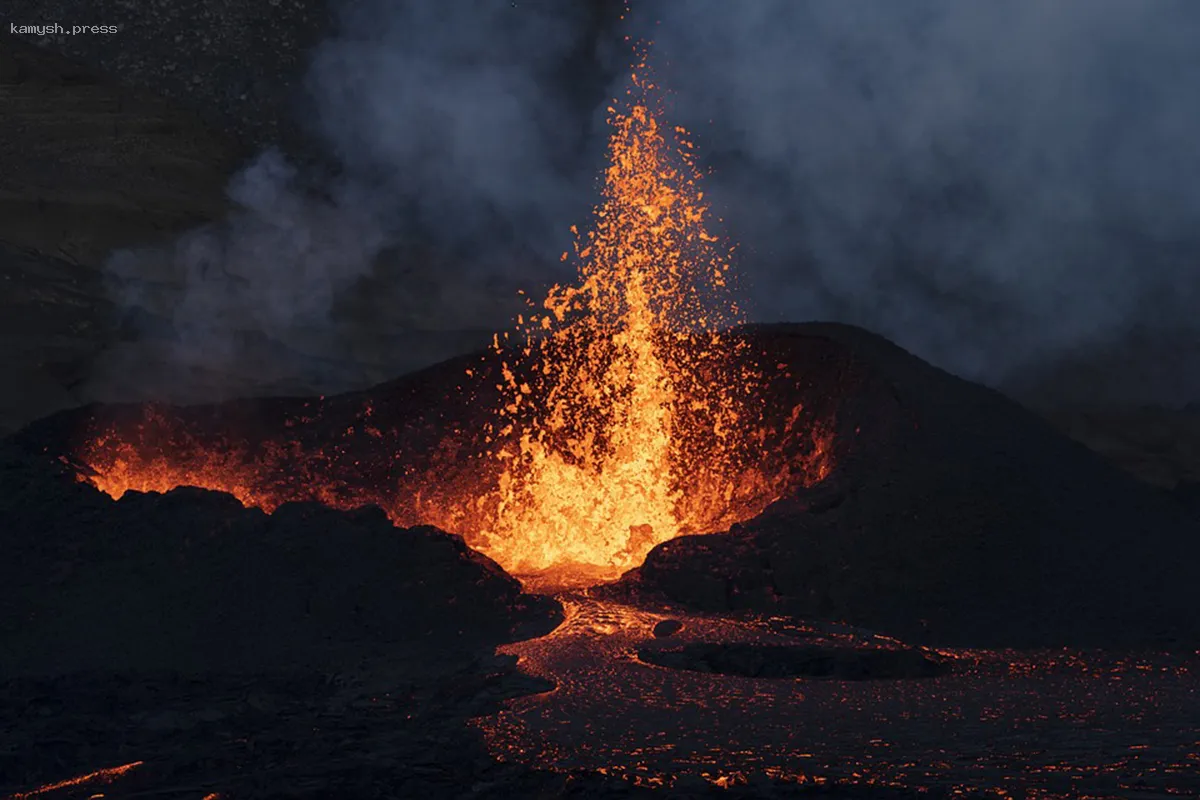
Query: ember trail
{"points": [[623, 411]]}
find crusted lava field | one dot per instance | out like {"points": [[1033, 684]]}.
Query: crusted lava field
{"points": [[749, 699], [922, 594]]}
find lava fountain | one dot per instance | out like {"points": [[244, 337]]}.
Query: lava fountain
{"points": [[624, 409], [632, 445]]}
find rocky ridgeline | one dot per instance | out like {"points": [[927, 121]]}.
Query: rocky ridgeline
{"points": [[953, 516], [192, 581]]}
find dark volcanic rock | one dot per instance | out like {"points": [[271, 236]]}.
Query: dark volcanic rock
{"points": [[785, 661], [1160, 446], [193, 581], [1188, 494], [953, 516], [668, 627], [306, 737], [54, 318]]}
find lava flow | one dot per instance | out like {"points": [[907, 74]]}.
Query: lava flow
{"points": [[993, 723], [625, 411]]}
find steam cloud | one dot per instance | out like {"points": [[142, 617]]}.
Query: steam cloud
{"points": [[459, 151], [278, 261], [1003, 188]]}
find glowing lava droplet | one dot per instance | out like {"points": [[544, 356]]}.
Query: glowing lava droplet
{"points": [[627, 410]]}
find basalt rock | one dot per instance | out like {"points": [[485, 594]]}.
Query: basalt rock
{"points": [[668, 627], [192, 581]]}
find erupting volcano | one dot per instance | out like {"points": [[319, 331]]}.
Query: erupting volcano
{"points": [[625, 414], [637, 547]]}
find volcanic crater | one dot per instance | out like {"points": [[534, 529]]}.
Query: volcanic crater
{"points": [[944, 513]]}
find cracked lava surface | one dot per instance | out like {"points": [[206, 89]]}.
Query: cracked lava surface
{"points": [[1049, 724]]}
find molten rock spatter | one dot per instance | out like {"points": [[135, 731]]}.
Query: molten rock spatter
{"points": [[646, 401]]}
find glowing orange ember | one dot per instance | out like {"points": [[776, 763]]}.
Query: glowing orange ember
{"points": [[106, 775], [626, 414]]}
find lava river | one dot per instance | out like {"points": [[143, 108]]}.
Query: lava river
{"points": [[1051, 724]]}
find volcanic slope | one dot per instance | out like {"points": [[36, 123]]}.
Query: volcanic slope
{"points": [[193, 582], [952, 517]]}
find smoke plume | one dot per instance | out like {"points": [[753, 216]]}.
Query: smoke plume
{"points": [[458, 150], [1009, 189], [1003, 188]]}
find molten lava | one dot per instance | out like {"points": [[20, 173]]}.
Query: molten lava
{"points": [[100, 776], [598, 477], [627, 411]]}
